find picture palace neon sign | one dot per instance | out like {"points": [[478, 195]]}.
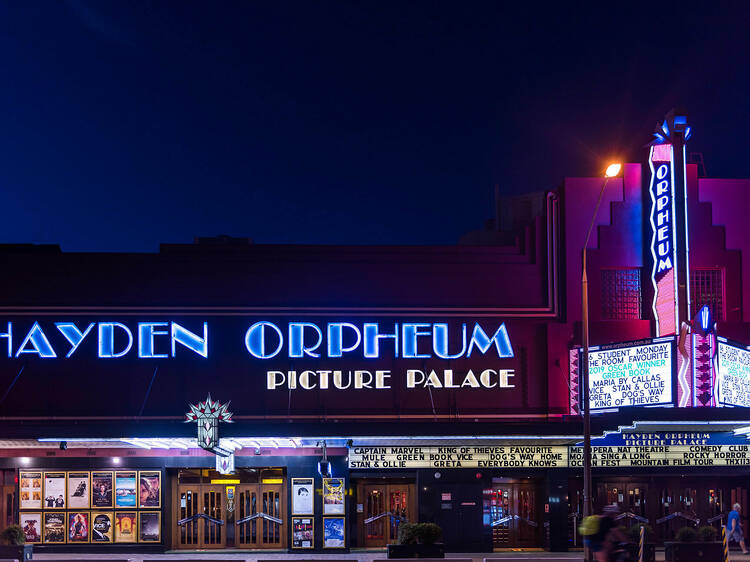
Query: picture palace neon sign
{"points": [[262, 340]]}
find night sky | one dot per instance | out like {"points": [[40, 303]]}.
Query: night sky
{"points": [[127, 124]]}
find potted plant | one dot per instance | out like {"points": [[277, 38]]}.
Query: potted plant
{"points": [[633, 534], [418, 540], [691, 545], [13, 544]]}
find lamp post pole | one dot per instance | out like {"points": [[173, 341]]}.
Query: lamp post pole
{"points": [[612, 171]]}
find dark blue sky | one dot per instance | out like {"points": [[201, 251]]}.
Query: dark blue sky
{"points": [[127, 124]]}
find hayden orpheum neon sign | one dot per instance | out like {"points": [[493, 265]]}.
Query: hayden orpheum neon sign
{"points": [[262, 340]]}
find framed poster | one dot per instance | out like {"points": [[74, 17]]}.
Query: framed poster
{"points": [[30, 491], [333, 532], [78, 526], [303, 531], [125, 488], [126, 526], [333, 496], [31, 523], [101, 527], [54, 490], [302, 496], [149, 488], [101, 489], [78, 490], [54, 527], [149, 526]]}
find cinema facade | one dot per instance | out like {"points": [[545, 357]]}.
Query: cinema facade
{"points": [[233, 395]]}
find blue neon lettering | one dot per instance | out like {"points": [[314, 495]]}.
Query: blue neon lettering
{"points": [[255, 340], [440, 341], [9, 335], [39, 341], [73, 335], [146, 333], [192, 341], [107, 339], [483, 343], [372, 337], [336, 338], [411, 346], [297, 340]]}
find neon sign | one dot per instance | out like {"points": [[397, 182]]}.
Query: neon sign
{"points": [[663, 240], [263, 340]]}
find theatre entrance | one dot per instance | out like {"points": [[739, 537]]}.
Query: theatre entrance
{"points": [[386, 504], [244, 510], [512, 509]]}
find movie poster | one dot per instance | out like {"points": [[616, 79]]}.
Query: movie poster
{"points": [[30, 490], [302, 532], [149, 526], [125, 526], [54, 490], [333, 532], [101, 489], [78, 526], [302, 496], [31, 523], [101, 527], [125, 489], [54, 527], [149, 489], [333, 496], [78, 490]]}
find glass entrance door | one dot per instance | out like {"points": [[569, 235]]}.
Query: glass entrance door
{"points": [[201, 516], [511, 510], [260, 516], [386, 505]]}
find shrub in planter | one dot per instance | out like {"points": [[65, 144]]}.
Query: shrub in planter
{"points": [[417, 540], [691, 546], [13, 544], [686, 534], [633, 533], [707, 533]]}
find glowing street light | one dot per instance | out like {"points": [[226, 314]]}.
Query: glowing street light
{"points": [[612, 171]]}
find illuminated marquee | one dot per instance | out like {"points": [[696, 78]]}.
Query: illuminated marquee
{"points": [[263, 340], [734, 375], [663, 239]]}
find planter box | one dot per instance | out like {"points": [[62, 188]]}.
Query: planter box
{"points": [[693, 551], [20, 552], [649, 552], [436, 550]]}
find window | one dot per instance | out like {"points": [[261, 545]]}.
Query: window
{"points": [[707, 287], [621, 294]]}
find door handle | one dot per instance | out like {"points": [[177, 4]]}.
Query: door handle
{"points": [[386, 514], [197, 516], [260, 515]]}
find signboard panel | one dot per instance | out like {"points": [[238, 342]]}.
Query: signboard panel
{"points": [[734, 375], [641, 450], [635, 375]]}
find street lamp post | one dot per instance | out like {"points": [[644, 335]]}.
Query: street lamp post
{"points": [[612, 171]]}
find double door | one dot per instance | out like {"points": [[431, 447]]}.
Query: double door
{"points": [[385, 506], [242, 516], [514, 515]]}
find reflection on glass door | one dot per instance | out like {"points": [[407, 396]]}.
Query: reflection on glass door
{"points": [[385, 507], [511, 510]]}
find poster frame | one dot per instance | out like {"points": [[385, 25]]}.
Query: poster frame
{"points": [[65, 489], [342, 518], [111, 487], [135, 491], [23, 514], [312, 524], [88, 526], [140, 516], [117, 539], [21, 476], [327, 508], [61, 513], [156, 473], [111, 515], [312, 495]]}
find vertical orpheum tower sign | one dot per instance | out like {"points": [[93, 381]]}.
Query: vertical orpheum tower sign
{"points": [[669, 233]]}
